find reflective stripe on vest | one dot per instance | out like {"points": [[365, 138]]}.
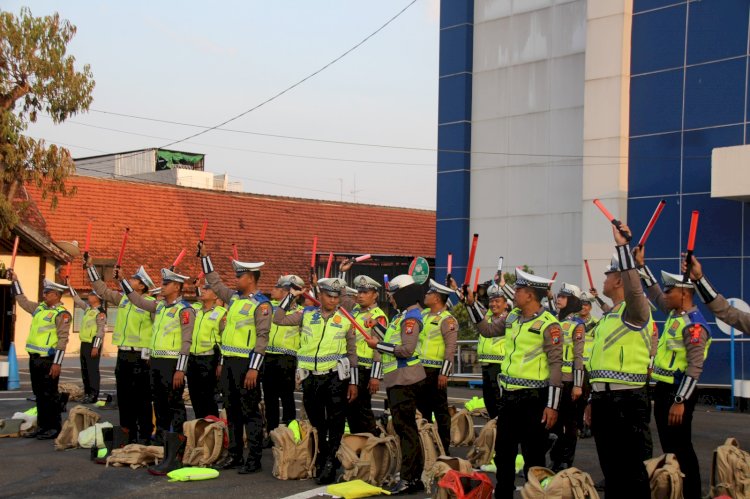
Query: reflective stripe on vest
{"points": [[238, 339], [283, 339], [568, 329], [671, 358], [491, 350], [525, 364], [167, 338], [364, 352], [322, 341], [42, 338], [207, 329], [133, 326], [88, 325], [393, 336], [620, 354]]}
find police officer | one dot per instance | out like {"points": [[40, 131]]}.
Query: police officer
{"points": [[280, 366], [436, 350], [491, 348], [367, 313], [205, 352], [589, 323], [568, 303], [243, 348], [48, 337], [530, 381], [716, 303], [132, 335], [619, 371], [683, 346], [92, 337], [403, 375], [327, 361], [169, 352]]}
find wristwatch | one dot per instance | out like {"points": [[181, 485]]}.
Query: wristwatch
{"points": [[679, 399]]}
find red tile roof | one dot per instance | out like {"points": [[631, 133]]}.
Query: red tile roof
{"points": [[165, 219]]}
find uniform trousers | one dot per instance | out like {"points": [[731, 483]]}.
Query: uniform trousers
{"points": [[202, 381], [402, 401], [279, 371], [169, 406], [490, 387], [90, 370], [44, 387], [359, 413], [324, 397], [133, 380], [434, 401], [243, 409]]}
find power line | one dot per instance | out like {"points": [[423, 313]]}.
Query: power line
{"points": [[300, 82]]}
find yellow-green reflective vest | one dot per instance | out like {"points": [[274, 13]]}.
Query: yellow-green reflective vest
{"points": [[671, 356], [133, 326], [393, 336], [431, 349], [42, 338], [167, 337], [206, 329], [239, 335], [568, 327], [491, 350], [620, 354], [589, 325], [364, 352], [322, 341], [525, 364], [88, 325], [283, 339]]}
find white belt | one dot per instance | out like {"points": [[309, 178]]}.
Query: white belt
{"points": [[130, 349]]}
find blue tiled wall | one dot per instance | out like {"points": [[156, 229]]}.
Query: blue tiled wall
{"points": [[688, 95], [454, 134]]}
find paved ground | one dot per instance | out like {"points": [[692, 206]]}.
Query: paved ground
{"points": [[31, 467]]}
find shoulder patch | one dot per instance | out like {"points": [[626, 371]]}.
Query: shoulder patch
{"points": [[265, 308], [695, 334], [452, 324], [382, 321], [580, 330], [185, 316], [554, 332], [408, 325], [65, 317]]}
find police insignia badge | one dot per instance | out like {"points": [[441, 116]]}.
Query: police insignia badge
{"points": [[409, 326], [555, 334], [337, 319]]}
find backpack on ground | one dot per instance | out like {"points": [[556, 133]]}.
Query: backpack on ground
{"points": [[730, 470], [294, 454], [205, 442], [375, 460], [665, 477], [473, 485], [79, 419], [571, 483], [75, 392], [432, 447], [484, 445], [442, 466], [136, 456], [462, 427]]}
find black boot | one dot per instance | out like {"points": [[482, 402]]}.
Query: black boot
{"points": [[250, 466], [328, 474], [64, 396], [173, 449], [116, 437]]}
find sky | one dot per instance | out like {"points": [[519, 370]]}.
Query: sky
{"points": [[185, 62]]}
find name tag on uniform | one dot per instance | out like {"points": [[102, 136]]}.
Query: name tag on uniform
{"points": [[435, 323], [245, 310], [214, 315], [124, 303], [49, 316], [336, 325], [171, 313]]}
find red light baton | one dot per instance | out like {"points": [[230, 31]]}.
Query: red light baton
{"points": [[612, 219], [87, 243], [178, 259], [118, 265], [652, 222], [15, 252], [470, 265], [328, 265], [363, 258], [588, 273], [553, 278], [691, 244], [235, 253], [354, 323], [476, 281], [202, 237]]}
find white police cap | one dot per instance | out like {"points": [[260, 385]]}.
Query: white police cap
{"points": [[526, 280], [143, 276], [171, 276], [366, 283]]}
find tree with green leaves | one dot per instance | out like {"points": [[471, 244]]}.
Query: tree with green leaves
{"points": [[37, 75]]}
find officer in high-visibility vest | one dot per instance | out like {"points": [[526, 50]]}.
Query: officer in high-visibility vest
{"points": [[716, 303], [589, 323], [169, 351], [619, 371], [132, 336], [683, 347], [91, 334], [243, 349], [367, 313], [530, 381], [436, 351], [491, 348], [205, 352], [280, 366], [48, 337], [568, 303], [327, 363], [403, 375]]}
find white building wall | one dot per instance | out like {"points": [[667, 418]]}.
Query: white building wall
{"points": [[527, 134]]}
